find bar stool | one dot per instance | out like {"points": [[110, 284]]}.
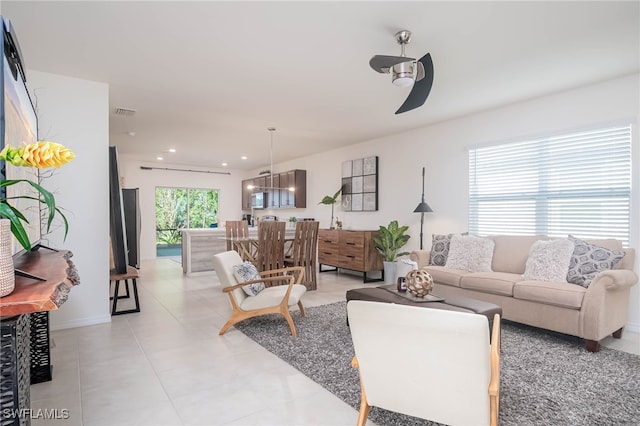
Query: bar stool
{"points": [[131, 274]]}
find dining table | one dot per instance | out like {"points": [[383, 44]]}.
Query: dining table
{"points": [[248, 247]]}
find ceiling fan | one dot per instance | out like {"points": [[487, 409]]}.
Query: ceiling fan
{"points": [[407, 71]]}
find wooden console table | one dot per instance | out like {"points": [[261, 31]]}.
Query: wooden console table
{"points": [[24, 338], [354, 250]]}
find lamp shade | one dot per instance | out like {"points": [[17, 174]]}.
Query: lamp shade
{"points": [[423, 208]]}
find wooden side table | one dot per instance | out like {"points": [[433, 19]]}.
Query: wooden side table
{"points": [[25, 326]]}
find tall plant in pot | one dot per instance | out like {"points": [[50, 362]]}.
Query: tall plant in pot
{"points": [[388, 243]]}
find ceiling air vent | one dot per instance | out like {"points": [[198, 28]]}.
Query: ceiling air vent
{"points": [[125, 111]]}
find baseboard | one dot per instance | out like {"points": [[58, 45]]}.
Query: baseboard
{"points": [[83, 322], [633, 326]]}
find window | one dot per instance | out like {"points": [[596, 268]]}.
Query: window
{"points": [[578, 183], [179, 208]]}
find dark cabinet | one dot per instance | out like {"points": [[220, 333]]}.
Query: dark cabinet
{"points": [[291, 192], [132, 220], [246, 194]]}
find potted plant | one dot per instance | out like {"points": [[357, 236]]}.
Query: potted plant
{"points": [[388, 243], [328, 200]]}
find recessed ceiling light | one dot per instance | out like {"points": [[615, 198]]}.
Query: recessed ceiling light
{"points": [[131, 133], [224, 164], [159, 158], [172, 150], [244, 157]]}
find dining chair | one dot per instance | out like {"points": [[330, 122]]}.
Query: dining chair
{"points": [[270, 252], [429, 363], [235, 229], [303, 251], [282, 290]]}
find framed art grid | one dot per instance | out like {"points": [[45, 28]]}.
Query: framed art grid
{"points": [[360, 184]]}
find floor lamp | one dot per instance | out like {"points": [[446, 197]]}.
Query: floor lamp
{"points": [[422, 209]]}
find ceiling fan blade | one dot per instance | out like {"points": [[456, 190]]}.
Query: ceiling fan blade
{"points": [[383, 63], [421, 89]]}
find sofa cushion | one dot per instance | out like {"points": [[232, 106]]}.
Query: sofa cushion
{"points": [[444, 275], [439, 249], [549, 260], [491, 282], [511, 252], [470, 253], [550, 293], [588, 260]]}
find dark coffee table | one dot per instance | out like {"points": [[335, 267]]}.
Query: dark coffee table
{"points": [[452, 303]]}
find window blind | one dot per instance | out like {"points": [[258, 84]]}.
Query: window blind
{"points": [[577, 183]]}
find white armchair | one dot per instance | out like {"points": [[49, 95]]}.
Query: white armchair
{"points": [[429, 363], [283, 290]]}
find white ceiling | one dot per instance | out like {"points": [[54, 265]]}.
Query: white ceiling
{"points": [[208, 78]]}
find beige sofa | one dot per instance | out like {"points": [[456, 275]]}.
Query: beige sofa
{"points": [[591, 313]]}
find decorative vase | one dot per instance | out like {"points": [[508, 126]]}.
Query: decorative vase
{"points": [[419, 282], [7, 273], [390, 275]]}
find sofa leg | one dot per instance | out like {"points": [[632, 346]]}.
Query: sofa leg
{"points": [[592, 345], [618, 333]]}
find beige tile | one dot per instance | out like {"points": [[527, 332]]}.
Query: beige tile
{"points": [[167, 365]]}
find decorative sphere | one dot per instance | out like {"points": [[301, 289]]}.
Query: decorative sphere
{"points": [[419, 282]]}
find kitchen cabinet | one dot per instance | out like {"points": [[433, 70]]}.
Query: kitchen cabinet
{"points": [[281, 198]]}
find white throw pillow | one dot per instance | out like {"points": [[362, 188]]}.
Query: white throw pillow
{"points": [[549, 260], [470, 253], [247, 271]]}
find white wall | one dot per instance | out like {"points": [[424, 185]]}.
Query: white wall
{"points": [[228, 185], [75, 113], [442, 148]]}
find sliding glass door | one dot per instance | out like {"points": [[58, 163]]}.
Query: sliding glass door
{"points": [[180, 208]]}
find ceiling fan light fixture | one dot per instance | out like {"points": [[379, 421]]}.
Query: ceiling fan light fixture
{"points": [[402, 74], [402, 81]]}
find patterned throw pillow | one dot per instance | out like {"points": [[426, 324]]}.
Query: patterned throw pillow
{"points": [[470, 253], [248, 272], [588, 260], [548, 260], [440, 249]]}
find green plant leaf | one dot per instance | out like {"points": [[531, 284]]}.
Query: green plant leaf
{"points": [[15, 217], [390, 239]]}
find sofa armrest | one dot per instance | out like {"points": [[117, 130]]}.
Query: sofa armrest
{"points": [[605, 307], [616, 279], [421, 257]]}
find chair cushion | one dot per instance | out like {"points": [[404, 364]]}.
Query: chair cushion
{"points": [[549, 260], [272, 296], [247, 271], [588, 260]]}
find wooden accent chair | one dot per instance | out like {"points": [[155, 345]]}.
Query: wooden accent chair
{"points": [[271, 238], [303, 251], [429, 363], [235, 229], [283, 289]]}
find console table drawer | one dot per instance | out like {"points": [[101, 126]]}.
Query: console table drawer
{"points": [[352, 238], [353, 250]]}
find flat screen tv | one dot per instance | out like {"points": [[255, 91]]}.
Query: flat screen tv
{"points": [[18, 125]]}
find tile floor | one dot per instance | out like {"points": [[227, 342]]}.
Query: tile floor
{"points": [[168, 366]]}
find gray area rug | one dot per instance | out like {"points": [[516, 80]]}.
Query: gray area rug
{"points": [[546, 378]]}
